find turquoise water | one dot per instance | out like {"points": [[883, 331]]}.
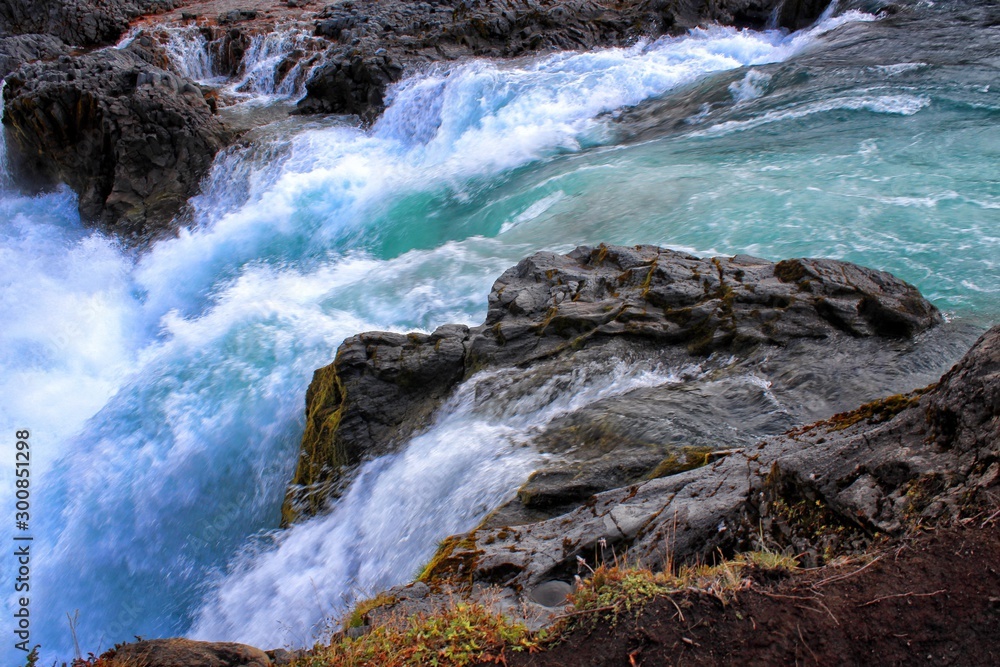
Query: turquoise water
{"points": [[165, 389]]}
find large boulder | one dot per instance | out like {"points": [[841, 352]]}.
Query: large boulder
{"points": [[131, 137], [824, 489], [554, 313]]}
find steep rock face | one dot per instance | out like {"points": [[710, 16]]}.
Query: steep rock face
{"points": [[815, 490], [132, 138], [552, 311], [76, 22], [379, 40], [379, 387]]}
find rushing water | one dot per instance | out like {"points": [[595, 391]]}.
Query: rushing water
{"points": [[165, 391], [264, 74]]}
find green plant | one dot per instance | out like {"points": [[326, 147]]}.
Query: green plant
{"points": [[619, 588], [359, 615], [766, 559], [458, 634]]}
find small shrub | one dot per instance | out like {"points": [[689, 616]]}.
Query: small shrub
{"points": [[615, 589], [769, 560], [359, 615], [460, 634]]}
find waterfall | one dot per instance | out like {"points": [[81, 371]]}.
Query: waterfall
{"points": [[188, 51], [4, 167], [276, 64], [166, 390], [267, 70], [386, 526]]}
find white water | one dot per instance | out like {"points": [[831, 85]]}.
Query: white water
{"points": [[188, 51], [4, 173], [266, 53], [260, 77], [165, 394], [386, 527]]}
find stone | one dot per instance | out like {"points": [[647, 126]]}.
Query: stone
{"points": [[551, 593], [76, 22], [552, 313], [20, 49], [829, 487], [131, 137], [188, 653], [381, 40]]}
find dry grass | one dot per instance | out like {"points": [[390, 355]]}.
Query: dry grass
{"points": [[461, 633], [626, 588]]}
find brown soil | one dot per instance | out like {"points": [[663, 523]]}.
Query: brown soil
{"points": [[935, 600], [269, 12]]}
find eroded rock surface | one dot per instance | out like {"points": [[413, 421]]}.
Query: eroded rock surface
{"points": [[730, 318], [20, 49], [76, 22], [816, 490], [131, 137]]}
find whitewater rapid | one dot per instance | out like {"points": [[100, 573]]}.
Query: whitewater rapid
{"points": [[262, 76], [165, 391]]}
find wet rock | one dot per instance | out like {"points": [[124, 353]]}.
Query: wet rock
{"points": [[131, 137], [821, 489], [552, 313], [351, 83], [408, 36], [237, 15], [188, 653], [378, 388], [798, 14]]}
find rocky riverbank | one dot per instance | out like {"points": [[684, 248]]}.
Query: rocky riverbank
{"points": [[134, 136], [741, 326], [820, 491], [881, 498]]}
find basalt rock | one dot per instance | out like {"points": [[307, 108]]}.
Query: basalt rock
{"points": [[819, 490], [131, 137], [729, 318], [76, 22], [380, 40], [20, 49]]}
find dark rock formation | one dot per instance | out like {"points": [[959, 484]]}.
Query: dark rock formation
{"points": [[20, 49], [76, 22], [822, 489], [132, 138], [188, 653], [554, 311], [380, 40]]}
